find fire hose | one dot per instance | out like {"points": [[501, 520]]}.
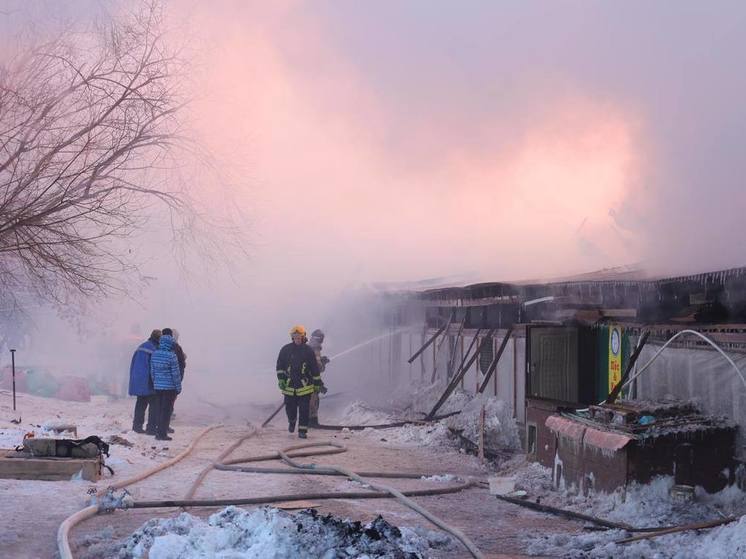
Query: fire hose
{"points": [[63, 543], [286, 455]]}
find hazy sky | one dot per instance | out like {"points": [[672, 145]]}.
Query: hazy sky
{"points": [[410, 139], [394, 140]]}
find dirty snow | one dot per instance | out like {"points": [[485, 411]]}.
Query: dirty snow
{"points": [[433, 434], [11, 438], [648, 505], [271, 533], [443, 477], [360, 413], [724, 542], [500, 431]]}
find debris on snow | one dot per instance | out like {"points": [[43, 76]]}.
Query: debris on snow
{"points": [[500, 430], [271, 533], [443, 477], [434, 434], [641, 505], [11, 438]]}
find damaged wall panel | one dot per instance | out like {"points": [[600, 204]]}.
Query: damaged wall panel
{"points": [[699, 375], [611, 446]]}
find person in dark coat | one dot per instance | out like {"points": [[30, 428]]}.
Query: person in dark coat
{"points": [[298, 377], [180, 355], [141, 385], [177, 349], [164, 370]]}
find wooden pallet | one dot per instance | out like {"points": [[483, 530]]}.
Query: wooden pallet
{"points": [[17, 465]]}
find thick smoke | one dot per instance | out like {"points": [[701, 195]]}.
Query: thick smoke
{"points": [[397, 141]]}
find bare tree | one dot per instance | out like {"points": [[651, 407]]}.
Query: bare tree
{"points": [[87, 124]]}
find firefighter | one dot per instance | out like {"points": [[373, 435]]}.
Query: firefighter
{"points": [[316, 342], [298, 377]]}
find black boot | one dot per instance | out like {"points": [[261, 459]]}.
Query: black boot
{"points": [[302, 435], [138, 429], [291, 427]]}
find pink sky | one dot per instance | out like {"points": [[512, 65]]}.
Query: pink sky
{"points": [[328, 193]]}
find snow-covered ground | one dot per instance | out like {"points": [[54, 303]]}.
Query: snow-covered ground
{"points": [[428, 448], [500, 431], [269, 533], [649, 505]]}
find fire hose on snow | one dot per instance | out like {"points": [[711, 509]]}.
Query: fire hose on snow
{"points": [[63, 532], [286, 455]]}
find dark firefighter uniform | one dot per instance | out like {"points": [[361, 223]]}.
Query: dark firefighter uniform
{"points": [[298, 377]]}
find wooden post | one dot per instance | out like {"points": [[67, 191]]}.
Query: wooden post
{"points": [[428, 342], [515, 377], [452, 356], [422, 355], [481, 433], [439, 345], [495, 361], [409, 336], [458, 378]]}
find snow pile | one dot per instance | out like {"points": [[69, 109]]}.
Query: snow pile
{"points": [[11, 438], [443, 477], [359, 413], [533, 478], [433, 434], [648, 505], [421, 398], [724, 542], [500, 431], [271, 533]]}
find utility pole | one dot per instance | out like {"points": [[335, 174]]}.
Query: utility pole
{"points": [[13, 365]]}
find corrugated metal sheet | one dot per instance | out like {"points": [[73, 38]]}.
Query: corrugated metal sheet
{"points": [[566, 427], [605, 439]]}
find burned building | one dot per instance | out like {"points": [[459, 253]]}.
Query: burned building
{"points": [[551, 348]]}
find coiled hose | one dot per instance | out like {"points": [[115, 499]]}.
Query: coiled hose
{"points": [[286, 455], [63, 532]]}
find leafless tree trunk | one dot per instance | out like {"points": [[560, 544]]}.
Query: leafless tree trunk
{"points": [[87, 123]]}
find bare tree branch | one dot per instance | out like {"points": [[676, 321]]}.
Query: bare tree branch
{"points": [[84, 129]]}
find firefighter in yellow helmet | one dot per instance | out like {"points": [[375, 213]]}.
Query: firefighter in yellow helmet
{"points": [[298, 377]]}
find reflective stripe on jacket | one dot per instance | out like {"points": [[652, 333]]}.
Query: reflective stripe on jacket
{"points": [[297, 365]]}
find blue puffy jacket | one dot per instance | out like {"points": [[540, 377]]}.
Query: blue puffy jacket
{"points": [[140, 384], [164, 366]]}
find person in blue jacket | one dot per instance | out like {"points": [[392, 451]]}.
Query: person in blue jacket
{"points": [[141, 385], [166, 375]]}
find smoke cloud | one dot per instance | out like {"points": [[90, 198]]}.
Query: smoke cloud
{"points": [[395, 141]]}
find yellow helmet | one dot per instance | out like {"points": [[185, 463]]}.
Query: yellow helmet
{"points": [[298, 329]]}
